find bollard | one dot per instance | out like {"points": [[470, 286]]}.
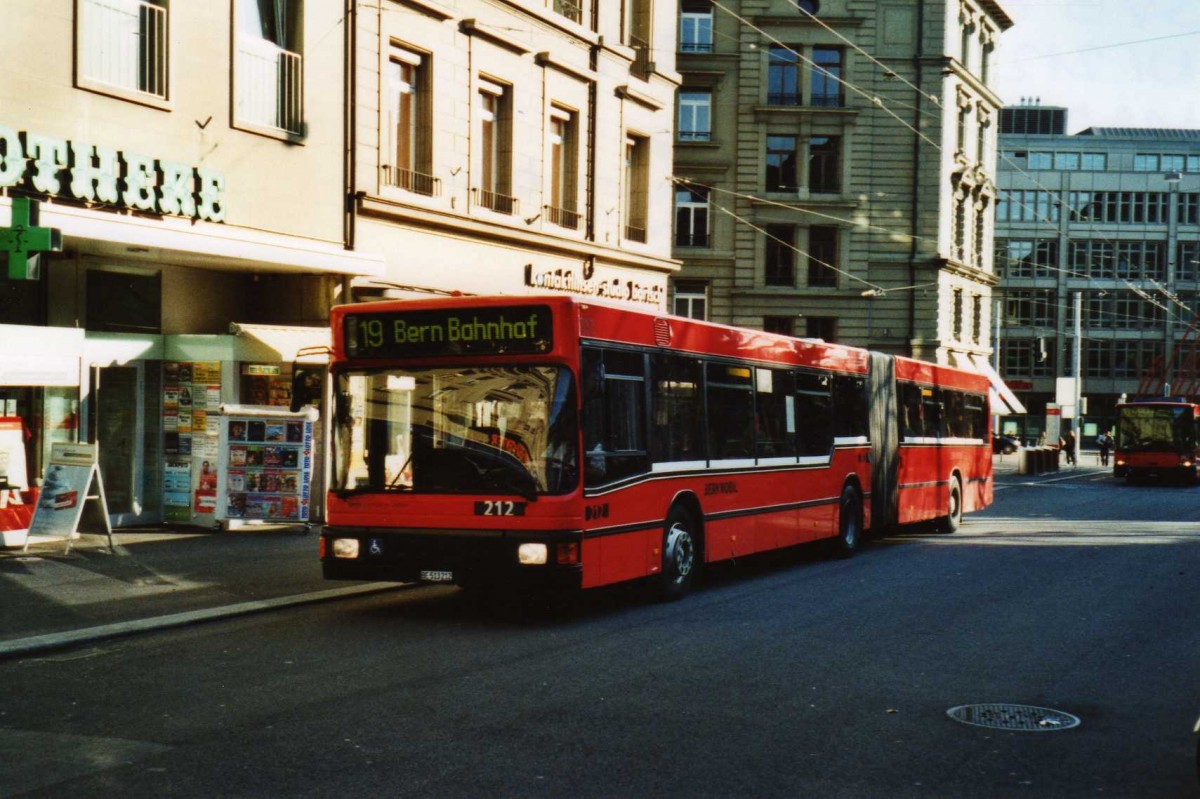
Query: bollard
{"points": [[1024, 456]]}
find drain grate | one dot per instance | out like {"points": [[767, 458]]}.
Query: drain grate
{"points": [[1021, 718]]}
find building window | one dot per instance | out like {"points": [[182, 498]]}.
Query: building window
{"points": [[977, 318], [695, 115], [124, 302], [696, 27], [637, 184], [822, 256], [636, 34], [824, 165], [783, 77], [808, 6], [571, 9], [981, 217], [822, 327], [123, 47], [1029, 308], [1094, 162], [1189, 261], [691, 217], [1066, 161], [780, 325], [781, 163], [563, 165], [1041, 160], [1189, 208], [495, 148], [956, 315], [269, 71], [691, 299], [410, 148], [1026, 358], [1146, 162], [960, 228], [1016, 258], [827, 78], [779, 255]]}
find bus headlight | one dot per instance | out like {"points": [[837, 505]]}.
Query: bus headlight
{"points": [[532, 554], [345, 548]]}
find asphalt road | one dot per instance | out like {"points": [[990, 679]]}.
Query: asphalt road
{"points": [[788, 676]]}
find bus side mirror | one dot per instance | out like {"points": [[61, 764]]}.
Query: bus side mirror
{"points": [[307, 382]]}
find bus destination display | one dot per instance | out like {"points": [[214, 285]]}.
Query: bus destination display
{"points": [[514, 330]]}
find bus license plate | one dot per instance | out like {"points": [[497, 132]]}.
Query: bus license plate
{"points": [[436, 576]]}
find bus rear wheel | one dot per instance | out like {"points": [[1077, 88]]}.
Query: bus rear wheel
{"points": [[849, 522], [954, 509], [680, 555]]}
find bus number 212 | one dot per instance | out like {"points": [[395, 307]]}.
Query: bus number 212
{"points": [[499, 507]]}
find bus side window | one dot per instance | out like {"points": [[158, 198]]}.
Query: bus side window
{"points": [[614, 435], [908, 396], [730, 393], [851, 417], [814, 414], [776, 409], [677, 408]]}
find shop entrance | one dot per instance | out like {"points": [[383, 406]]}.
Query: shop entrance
{"points": [[120, 431]]}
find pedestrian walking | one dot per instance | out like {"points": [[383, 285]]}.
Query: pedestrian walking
{"points": [[1105, 442], [1068, 443]]}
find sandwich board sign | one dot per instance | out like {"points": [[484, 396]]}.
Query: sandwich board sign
{"points": [[72, 480]]}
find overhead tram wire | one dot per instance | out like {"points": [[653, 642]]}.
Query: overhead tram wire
{"points": [[877, 102]]}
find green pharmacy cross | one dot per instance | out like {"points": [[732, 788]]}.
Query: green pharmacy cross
{"points": [[24, 236]]}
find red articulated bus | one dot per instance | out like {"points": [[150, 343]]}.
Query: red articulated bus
{"points": [[564, 442], [1156, 438]]}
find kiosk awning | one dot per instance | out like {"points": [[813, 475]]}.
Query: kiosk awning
{"points": [[283, 343], [1004, 401]]}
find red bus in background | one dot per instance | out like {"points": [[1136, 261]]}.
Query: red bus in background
{"points": [[1156, 438], [563, 442]]}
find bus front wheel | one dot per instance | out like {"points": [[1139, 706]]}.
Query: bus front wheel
{"points": [[680, 554]]}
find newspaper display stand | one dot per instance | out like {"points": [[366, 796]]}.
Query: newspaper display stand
{"points": [[72, 480], [264, 466]]}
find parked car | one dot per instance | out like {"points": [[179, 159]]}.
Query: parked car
{"points": [[1004, 445]]}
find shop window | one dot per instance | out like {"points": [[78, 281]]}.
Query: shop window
{"points": [[124, 302]]}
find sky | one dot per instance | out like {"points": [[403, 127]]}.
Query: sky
{"points": [[1111, 63]]}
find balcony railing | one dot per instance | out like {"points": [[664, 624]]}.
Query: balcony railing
{"points": [[832, 99], [270, 85], [561, 217], [684, 239], [633, 233], [125, 45], [500, 203], [410, 180], [784, 98], [641, 57], [694, 135]]}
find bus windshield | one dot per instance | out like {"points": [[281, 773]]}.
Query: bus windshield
{"points": [[487, 430], [1157, 428]]}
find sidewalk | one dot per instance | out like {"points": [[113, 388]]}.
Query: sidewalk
{"points": [[1004, 469], [163, 576], [159, 577]]}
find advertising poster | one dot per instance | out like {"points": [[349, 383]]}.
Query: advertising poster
{"points": [[191, 398], [265, 465], [12, 453], [65, 487]]}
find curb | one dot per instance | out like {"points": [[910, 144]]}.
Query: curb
{"points": [[20, 647]]}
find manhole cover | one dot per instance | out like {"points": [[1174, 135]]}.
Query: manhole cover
{"points": [[1025, 718]]}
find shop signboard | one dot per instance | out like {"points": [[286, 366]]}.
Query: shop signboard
{"points": [[71, 480], [265, 464]]}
